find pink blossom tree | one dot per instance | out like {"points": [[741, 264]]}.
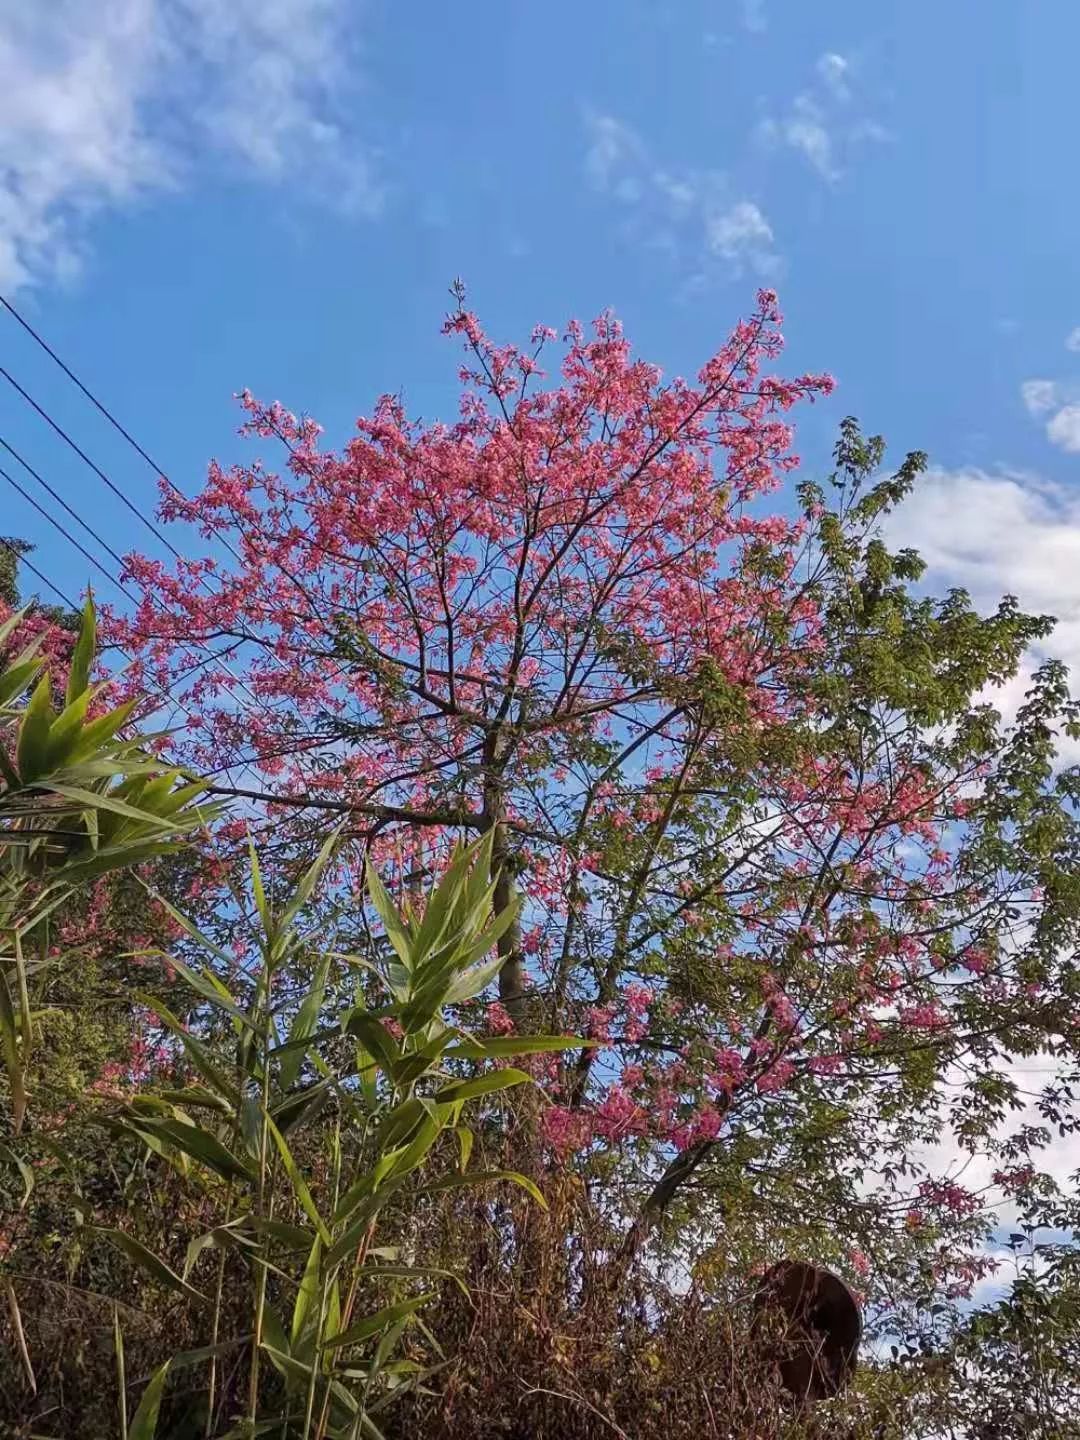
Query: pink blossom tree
{"points": [[804, 890]]}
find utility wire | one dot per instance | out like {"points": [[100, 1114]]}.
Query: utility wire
{"points": [[124, 499], [62, 502], [66, 533], [20, 559], [121, 430], [107, 413], [86, 525]]}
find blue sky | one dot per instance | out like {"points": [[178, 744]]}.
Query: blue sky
{"points": [[198, 195]]}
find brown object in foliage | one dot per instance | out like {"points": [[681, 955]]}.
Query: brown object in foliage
{"points": [[820, 1328]]}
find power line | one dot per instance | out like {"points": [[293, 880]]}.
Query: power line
{"points": [[104, 411], [62, 502], [20, 559], [124, 499], [87, 526], [109, 416], [66, 533]]}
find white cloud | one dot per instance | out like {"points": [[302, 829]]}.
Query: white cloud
{"points": [[833, 71], [1072, 340], [694, 215], [740, 232], [102, 105], [818, 123], [1039, 396], [996, 534], [1059, 402], [1063, 429], [805, 130], [613, 149]]}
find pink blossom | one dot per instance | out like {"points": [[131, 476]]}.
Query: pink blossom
{"points": [[498, 1019]]}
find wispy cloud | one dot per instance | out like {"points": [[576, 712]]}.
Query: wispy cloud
{"points": [[102, 105], [1072, 340], [739, 232], [1057, 404], [820, 123], [1039, 396], [694, 214], [753, 16]]}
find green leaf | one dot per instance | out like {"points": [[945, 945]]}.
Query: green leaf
{"points": [[307, 1297], [15, 679], [293, 1237], [368, 1207], [194, 1050], [8, 626], [30, 751], [258, 891], [497, 1047], [151, 1263], [486, 1084], [302, 1106], [82, 657], [474, 981], [485, 1177], [25, 1172], [222, 1237], [99, 732], [439, 910], [303, 1026], [306, 887], [106, 800], [208, 986], [303, 1194], [273, 1330], [465, 1140], [367, 1027], [416, 1272], [121, 1380], [64, 731], [396, 932], [9, 1046], [399, 1163], [200, 1144], [374, 1324], [144, 1421]]}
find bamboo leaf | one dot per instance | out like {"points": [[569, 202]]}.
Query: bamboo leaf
{"points": [[30, 750], [465, 1139], [194, 1050], [107, 800], [307, 1297], [299, 1184], [199, 1144], [25, 1172], [9, 1046], [151, 1263], [306, 887], [144, 1421], [303, 1026], [259, 892], [82, 657], [121, 1378], [396, 932], [497, 1047], [487, 1084], [485, 1177], [378, 1322]]}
